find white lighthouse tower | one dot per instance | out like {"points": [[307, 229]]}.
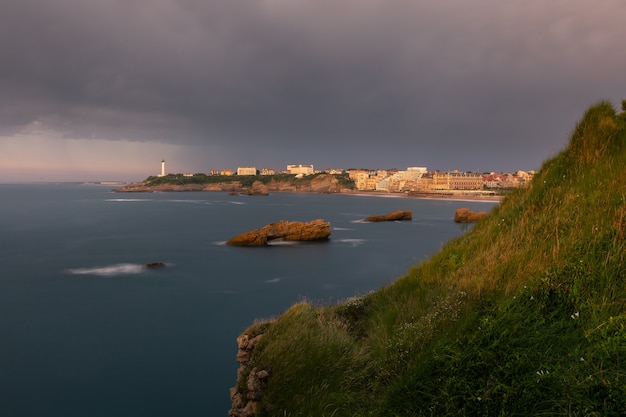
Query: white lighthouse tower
{"points": [[162, 168]]}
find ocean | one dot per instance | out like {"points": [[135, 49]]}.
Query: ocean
{"points": [[87, 330]]}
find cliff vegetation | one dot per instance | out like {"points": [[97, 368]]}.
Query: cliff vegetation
{"points": [[246, 184], [525, 314], [243, 180]]}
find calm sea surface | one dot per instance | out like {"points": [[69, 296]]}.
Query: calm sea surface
{"points": [[85, 330]]}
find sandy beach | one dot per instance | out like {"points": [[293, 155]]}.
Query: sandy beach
{"points": [[464, 196]]}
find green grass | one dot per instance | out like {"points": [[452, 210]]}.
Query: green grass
{"points": [[523, 315]]}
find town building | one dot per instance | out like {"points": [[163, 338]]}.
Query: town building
{"points": [[246, 171], [456, 180], [466, 180], [334, 171], [400, 181], [300, 169]]}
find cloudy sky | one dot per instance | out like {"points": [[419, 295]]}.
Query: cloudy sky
{"points": [[104, 89]]}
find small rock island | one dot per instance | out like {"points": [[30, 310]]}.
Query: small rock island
{"points": [[397, 215], [465, 215], [314, 230]]}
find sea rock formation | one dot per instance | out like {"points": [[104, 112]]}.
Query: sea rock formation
{"points": [[283, 230], [247, 404], [153, 265], [258, 188], [465, 215], [390, 217]]}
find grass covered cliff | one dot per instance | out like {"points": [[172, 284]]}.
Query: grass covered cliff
{"points": [[246, 180], [523, 315], [255, 184]]}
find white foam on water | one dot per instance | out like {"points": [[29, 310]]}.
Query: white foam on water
{"points": [[283, 243], [184, 201], [351, 242], [273, 280], [126, 200], [109, 270]]}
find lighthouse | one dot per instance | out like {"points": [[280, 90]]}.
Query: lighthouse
{"points": [[162, 168]]}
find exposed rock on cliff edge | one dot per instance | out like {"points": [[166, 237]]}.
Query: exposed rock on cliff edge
{"points": [[283, 230], [245, 402]]}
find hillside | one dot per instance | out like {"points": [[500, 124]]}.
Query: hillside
{"points": [[523, 315], [252, 184]]}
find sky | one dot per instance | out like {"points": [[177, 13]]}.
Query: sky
{"points": [[96, 90]]}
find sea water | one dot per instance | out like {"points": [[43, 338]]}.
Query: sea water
{"points": [[87, 330]]}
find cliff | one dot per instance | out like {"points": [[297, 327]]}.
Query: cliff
{"points": [[252, 184], [522, 315]]}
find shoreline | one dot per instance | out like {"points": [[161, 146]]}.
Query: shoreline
{"points": [[431, 196], [453, 196]]}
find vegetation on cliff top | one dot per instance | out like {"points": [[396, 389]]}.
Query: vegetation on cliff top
{"points": [[244, 180], [523, 315]]}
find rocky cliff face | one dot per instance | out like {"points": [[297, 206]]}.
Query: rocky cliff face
{"points": [[245, 400], [291, 231], [319, 184]]}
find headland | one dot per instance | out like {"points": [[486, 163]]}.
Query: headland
{"points": [[263, 185]]}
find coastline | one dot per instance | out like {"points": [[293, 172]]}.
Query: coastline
{"points": [[431, 196], [320, 184], [453, 196]]}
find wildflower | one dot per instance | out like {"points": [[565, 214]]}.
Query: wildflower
{"points": [[582, 359], [575, 315]]}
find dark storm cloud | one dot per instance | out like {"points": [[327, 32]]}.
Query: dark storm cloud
{"points": [[395, 80]]}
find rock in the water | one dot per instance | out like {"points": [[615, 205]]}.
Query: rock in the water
{"points": [[258, 188], [155, 265], [390, 217], [465, 215], [283, 230]]}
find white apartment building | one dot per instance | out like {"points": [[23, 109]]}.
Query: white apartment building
{"points": [[300, 169], [246, 171], [334, 171], [408, 180]]}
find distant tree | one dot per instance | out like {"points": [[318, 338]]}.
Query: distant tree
{"points": [[624, 105]]}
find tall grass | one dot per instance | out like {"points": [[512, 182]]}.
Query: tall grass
{"points": [[523, 315]]}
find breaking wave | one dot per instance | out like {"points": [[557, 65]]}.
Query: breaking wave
{"points": [[279, 242], [109, 270], [126, 200], [351, 242]]}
